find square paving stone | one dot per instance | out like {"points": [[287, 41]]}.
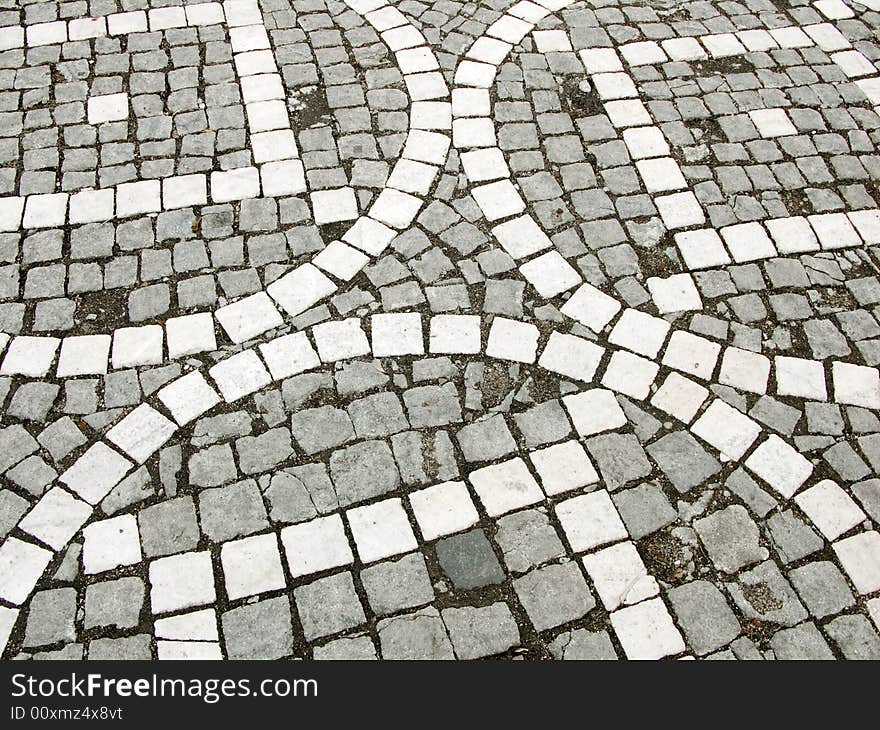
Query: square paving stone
{"points": [[129, 648], [704, 615], [377, 415], [51, 617], [868, 493], [469, 561], [527, 539], [61, 437], [32, 401], [319, 429], [15, 444], [644, 509], [169, 527], [114, 603], [328, 605], [747, 489], [582, 644], [683, 460], [12, 508], [803, 642], [418, 635], [257, 454], [432, 405], [32, 475], [260, 630], [486, 439], [232, 511], [645, 630], [731, 539], [855, 636], [355, 648], [792, 537], [619, 458], [363, 471], [212, 466], [358, 377], [545, 423], [480, 632], [822, 588], [69, 652], [397, 584], [554, 595]]}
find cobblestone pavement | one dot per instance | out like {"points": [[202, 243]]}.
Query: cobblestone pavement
{"points": [[539, 329]]}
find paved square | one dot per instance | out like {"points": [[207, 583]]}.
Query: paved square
{"points": [[375, 329]]}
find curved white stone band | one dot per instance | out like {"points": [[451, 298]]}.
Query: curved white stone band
{"points": [[520, 236]]}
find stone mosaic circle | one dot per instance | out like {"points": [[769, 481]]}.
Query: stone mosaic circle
{"points": [[359, 329]]}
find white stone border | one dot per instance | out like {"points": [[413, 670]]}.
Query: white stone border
{"points": [[136, 21]]}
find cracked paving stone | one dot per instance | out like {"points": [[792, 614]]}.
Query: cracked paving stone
{"points": [[731, 537], [527, 539], [583, 645], [418, 635], [554, 595], [763, 593], [481, 632]]}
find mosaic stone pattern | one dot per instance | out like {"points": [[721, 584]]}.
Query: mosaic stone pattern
{"points": [[439, 330]]}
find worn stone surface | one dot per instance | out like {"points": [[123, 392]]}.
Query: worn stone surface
{"points": [[315, 377], [554, 595], [731, 539], [704, 615], [260, 630]]}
